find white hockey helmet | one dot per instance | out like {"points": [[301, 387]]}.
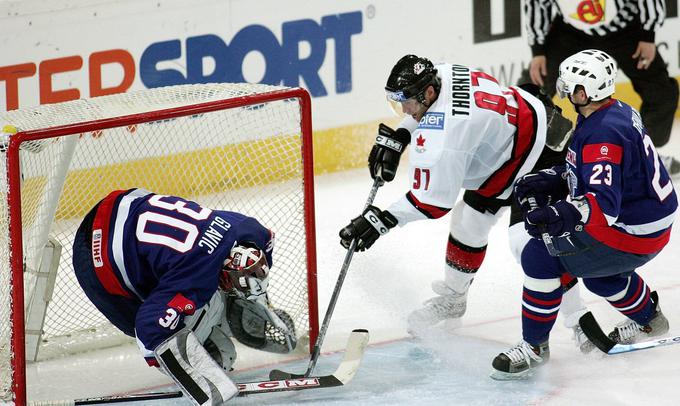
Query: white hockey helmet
{"points": [[592, 69]]}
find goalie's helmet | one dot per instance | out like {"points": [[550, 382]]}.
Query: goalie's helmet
{"points": [[410, 77], [245, 269], [593, 69]]}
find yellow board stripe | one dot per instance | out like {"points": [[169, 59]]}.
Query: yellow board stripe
{"points": [[335, 149]]}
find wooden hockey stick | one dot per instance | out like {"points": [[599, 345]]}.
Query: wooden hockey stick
{"points": [[354, 352], [278, 374], [591, 328]]}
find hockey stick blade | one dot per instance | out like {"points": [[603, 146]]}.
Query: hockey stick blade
{"points": [[594, 332], [356, 344]]}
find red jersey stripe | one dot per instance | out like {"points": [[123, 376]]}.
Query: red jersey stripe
{"points": [[103, 268], [598, 228], [525, 137], [428, 210]]}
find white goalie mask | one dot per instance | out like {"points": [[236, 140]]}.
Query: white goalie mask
{"points": [[593, 69], [245, 270]]}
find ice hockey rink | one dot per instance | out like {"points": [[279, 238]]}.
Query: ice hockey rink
{"points": [[449, 364]]}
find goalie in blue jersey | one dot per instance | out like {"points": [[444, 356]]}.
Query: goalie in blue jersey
{"points": [[183, 280], [608, 210]]}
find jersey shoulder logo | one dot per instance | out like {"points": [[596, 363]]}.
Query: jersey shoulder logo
{"points": [[593, 153]]}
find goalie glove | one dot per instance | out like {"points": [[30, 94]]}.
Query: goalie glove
{"points": [[367, 228], [383, 160], [256, 324]]}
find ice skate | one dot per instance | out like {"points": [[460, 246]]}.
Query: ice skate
{"points": [[519, 361], [449, 304], [582, 341], [629, 332]]}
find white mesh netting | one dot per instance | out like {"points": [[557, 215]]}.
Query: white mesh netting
{"points": [[221, 159]]}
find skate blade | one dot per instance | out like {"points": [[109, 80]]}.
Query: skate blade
{"points": [[510, 376]]}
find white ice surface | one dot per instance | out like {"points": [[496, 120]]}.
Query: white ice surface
{"points": [[450, 365]]}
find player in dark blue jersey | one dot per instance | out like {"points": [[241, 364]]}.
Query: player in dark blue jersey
{"points": [[183, 279], [608, 211]]}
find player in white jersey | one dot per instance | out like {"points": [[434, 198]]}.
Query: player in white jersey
{"points": [[464, 130]]}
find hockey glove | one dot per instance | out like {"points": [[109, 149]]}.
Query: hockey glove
{"points": [[386, 152], [547, 186], [367, 228], [260, 326], [562, 217]]}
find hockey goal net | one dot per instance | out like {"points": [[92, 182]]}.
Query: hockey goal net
{"points": [[237, 147]]}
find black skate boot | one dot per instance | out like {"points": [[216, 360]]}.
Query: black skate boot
{"points": [[519, 361]]}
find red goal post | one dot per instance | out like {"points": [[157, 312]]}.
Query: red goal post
{"points": [[239, 147]]}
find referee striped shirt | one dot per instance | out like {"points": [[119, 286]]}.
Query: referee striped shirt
{"points": [[596, 18]]}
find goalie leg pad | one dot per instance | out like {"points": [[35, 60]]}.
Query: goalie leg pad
{"points": [[221, 348], [199, 377], [203, 320]]}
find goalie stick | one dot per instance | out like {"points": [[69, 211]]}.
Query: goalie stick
{"points": [[594, 332], [277, 373], [348, 367]]}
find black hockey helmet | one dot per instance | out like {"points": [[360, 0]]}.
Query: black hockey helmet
{"points": [[410, 77]]}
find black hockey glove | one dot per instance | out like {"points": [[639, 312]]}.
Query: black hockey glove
{"points": [[547, 186], [557, 219], [386, 152], [367, 228]]}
